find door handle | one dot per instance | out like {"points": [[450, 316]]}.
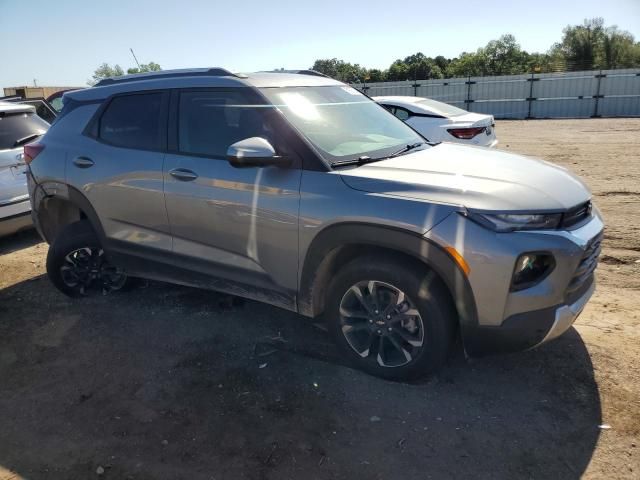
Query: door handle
{"points": [[183, 174], [82, 162]]}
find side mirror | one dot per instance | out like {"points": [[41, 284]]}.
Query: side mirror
{"points": [[255, 152]]}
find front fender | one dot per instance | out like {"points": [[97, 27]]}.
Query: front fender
{"points": [[396, 240]]}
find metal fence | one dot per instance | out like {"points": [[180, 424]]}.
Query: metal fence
{"points": [[596, 93]]}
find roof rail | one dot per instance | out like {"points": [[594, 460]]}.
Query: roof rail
{"points": [[314, 73], [185, 72]]}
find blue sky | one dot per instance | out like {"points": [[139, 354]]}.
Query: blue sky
{"points": [[61, 43]]}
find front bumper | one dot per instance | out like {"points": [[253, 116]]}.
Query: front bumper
{"points": [[509, 320], [526, 330], [567, 314]]}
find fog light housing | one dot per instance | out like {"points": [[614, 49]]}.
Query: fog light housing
{"points": [[530, 269]]}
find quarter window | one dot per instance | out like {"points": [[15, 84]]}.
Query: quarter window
{"points": [[401, 113], [210, 121], [133, 121]]}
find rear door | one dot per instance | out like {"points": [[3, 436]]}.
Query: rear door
{"points": [[235, 223], [118, 167]]}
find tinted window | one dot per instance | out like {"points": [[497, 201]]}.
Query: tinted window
{"points": [[18, 126], [43, 110], [56, 103], [402, 114], [133, 121], [210, 121]]}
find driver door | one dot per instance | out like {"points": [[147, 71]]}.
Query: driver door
{"points": [[237, 224]]}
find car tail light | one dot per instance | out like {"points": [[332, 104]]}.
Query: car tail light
{"points": [[466, 133], [31, 151]]}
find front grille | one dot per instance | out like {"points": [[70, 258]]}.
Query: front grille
{"points": [[576, 215], [584, 273]]}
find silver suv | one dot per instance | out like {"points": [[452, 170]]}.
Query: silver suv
{"points": [[298, 191]]}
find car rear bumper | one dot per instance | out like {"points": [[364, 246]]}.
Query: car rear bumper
{"points": [[526, 330]]}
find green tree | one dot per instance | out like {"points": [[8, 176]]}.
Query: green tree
{"points": [[442, 63], [592, 45], [414, 67], [144, 68], [398, 70], [340, 70], [375, 75], [468, 64], [105, 71], [504, 56], [618, 49], [580, 44]]}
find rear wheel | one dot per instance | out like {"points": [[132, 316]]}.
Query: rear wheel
{"points": [[77, 264], [391, 319]]}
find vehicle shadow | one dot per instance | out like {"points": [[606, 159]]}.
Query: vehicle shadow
{"points": [[172, 382], [18, 241]]}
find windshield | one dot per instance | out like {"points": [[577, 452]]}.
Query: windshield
{"points": [[443, 109], [340, 122]]}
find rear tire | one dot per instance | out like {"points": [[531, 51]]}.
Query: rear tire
{"points": [[78, 266], [389, 318]]}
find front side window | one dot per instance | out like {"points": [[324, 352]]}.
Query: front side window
{"points": [[340, 122], [210, 121], [133, 121]]}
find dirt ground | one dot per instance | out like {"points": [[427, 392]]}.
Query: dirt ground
{"points": [[176, 383]]}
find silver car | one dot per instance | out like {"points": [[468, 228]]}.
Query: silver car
{"points": [[298, 191], [19, 124]]}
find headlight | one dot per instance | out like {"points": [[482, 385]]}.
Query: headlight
{"points": [[508, 222]]}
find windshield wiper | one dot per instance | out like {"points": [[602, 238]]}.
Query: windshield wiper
{"points": [[406, 148], [365, 159], [356, 161], [27, 139]]}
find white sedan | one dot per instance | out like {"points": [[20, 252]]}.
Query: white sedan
{"points": [[440, 122]]}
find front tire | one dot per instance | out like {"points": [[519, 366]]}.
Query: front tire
{"points": [[389, 318], [77, 264]]}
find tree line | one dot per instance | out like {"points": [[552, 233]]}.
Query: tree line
{"points": [[105, 71], [588, 46]]}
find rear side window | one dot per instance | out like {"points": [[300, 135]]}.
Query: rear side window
{"points": [[133, 121], [16, 128], [210, 121], [401, 113]]}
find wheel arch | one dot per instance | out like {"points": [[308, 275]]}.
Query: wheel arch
{"points": [[56, 211], [337, 244]]}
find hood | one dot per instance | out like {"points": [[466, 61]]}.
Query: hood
{"points": [[474, 177]]}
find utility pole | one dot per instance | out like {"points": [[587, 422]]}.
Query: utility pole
{"points": [[134, 57], [35, 84]]}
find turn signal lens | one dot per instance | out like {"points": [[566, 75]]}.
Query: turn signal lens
{"points": [[462, 263]]}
